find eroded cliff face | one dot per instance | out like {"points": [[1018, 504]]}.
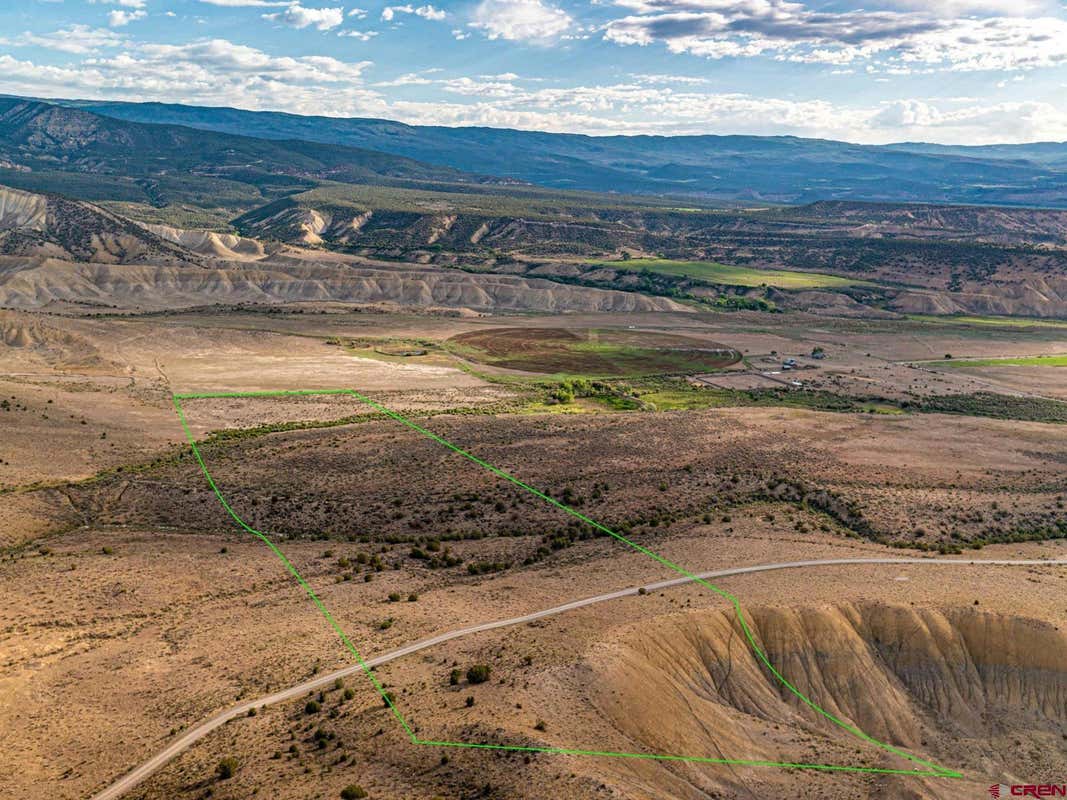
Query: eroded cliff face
{"points": [[956, 687], [35, 225], [21, 210], [36, 283]]}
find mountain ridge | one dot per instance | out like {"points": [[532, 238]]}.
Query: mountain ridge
{"points": [[35, 134], [775, 169]]}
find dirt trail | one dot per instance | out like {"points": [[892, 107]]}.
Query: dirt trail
{"points": [[191, 737]]}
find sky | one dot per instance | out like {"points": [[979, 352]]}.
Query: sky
{"points": [[949, 71]]}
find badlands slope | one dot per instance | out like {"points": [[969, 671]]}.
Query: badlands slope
{"points": [[58, 253]]}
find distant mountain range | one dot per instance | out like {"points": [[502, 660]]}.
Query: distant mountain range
{"points": [[778, 169], [44, 136]]}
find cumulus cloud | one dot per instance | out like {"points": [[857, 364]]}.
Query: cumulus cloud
{"points": [[520, 20], [297, 16], [899, 41], [77, 39], [206, 72], [969, 121], [429, 12], [118, 17], [955, 8], [475, 87], [389, 13], [409, 79], [247, 3], [363, 36]]}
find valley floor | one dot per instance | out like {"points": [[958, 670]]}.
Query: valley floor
{"points": [[132, 608]]}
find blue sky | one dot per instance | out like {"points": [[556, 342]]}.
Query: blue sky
{"points": [[955, 71]]}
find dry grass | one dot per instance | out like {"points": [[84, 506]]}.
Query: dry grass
{"points": [[104, 653]]}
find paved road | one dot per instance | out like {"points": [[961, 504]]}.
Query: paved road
{"points": [[190, 737]]}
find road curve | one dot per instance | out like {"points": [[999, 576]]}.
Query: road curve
{"points": [[190, 737]]}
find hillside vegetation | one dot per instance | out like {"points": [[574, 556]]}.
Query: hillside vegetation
{"points": [[40, 144], [202, 193], [54, 226], [750, 168]]}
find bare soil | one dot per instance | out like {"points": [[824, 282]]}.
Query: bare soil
{"points": [[131, 607]]}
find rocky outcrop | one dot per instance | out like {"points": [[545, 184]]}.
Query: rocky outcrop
{"points": [[41, 282], [54, 226], [951, 683], [1034, 297], [226, 246]]}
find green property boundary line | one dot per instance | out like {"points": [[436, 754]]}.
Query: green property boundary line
{"points": [[931, 769]]}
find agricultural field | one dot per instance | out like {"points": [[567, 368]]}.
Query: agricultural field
{"points": [[713, 272], [591, 352], [1020, 361], [998, 322]]}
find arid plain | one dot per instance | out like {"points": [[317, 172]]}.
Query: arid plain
{"points": [[134, 608]]}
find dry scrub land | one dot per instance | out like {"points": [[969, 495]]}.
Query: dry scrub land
{"points": [[168, 627], [134, 607]]}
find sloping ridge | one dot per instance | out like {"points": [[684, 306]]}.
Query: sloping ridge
{"points": [[32, 335], [955, 684], [54, 226], [211, 243], [45, 136], [310, 220], [42, 282], [1034, 297]]}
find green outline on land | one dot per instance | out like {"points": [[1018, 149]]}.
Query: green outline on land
{"points": [[932, 770]]}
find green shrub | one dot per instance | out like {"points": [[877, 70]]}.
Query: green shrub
{"points": [[479, 673], [312, 707], [353, 792], [226, 768]]}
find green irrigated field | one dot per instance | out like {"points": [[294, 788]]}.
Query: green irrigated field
{"points": [[1024, 361], [601, 353], [713, 272], [999, 322]]}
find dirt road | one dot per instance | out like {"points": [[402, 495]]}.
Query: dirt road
{"points": [[190, 737]]}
